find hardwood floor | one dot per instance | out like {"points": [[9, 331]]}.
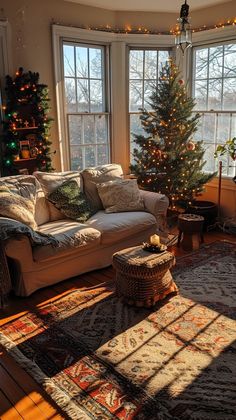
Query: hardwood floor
{"points": [[20, 396]]}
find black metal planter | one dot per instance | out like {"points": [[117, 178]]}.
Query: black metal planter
{"points": [[207, 209]]}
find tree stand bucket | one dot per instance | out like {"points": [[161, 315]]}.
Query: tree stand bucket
{"points": [[207, 209]]}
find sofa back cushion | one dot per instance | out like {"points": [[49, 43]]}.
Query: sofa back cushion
{"points": [[97, 175], [50, 181], [28, 187], [14, 206]]}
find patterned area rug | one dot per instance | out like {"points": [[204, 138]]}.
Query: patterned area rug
{"points": [[100, 359]]}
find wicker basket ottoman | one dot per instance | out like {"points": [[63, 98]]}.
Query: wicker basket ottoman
{"points": [[143, 278]]}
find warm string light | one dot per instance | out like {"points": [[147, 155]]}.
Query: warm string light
{"points": [[128, 29]]}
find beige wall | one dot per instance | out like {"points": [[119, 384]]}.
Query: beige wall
{"points": [[30, 23], [165, 21]]}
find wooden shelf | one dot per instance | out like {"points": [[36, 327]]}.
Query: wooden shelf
{"points": [[23, 160], [25, 128]]}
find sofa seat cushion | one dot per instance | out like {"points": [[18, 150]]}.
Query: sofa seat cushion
{"points": [[115, 227], [70, 234]]}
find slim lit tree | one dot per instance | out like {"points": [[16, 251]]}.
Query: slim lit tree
{"points": [[167, 160]]}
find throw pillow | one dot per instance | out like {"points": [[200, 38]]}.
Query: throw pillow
{"points": [[49, 181], [120, 195], [17, 207], [71, 201], [98, 175]]}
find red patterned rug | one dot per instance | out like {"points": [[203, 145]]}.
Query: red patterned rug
{"points": [[100, 359]]}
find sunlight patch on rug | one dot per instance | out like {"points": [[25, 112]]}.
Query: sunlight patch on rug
{"points": [[99, 358]]}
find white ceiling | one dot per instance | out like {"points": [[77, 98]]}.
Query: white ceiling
{"points": [[172, 6]]}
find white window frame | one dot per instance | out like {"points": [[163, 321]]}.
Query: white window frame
{"points": [[118, 45], [205, 39], [171, 53], [83, 114]]}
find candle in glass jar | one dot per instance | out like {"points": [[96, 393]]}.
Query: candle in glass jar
{"points": [[155, 240]]}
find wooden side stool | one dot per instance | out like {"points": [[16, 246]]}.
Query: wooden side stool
{"points": [[190, 228]]}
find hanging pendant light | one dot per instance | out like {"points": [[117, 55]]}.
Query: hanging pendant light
{"points": [[183, 38]]}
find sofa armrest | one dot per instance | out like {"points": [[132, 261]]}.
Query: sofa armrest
{"points": [[20, 250], [157, 204], [5, 279]]}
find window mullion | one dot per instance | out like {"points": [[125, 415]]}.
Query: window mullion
{"points": [[89, 103], [144, 57], [75, 79]]}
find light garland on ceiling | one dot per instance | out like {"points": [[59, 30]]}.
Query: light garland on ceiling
{"points": [[143, 30]]}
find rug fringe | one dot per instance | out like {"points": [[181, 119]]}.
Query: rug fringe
{"points": [[59, 396]]}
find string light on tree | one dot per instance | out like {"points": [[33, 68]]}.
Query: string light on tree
{"points": [[177, 168]]}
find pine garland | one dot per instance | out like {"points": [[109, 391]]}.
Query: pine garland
{"points": [[27, 106]]}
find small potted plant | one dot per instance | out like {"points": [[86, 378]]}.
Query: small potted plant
{"points": [[228, 148]]}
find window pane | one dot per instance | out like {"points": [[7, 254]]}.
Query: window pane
{"points": [[230, 60], [70, 95], [148, 90], [135, 125], [163, 57], [81, 62], [75, 129], [233, 126], [76, 158], [90, 152], [229, 94], [209, 128], [89, 129], [69, 60], [101, 129], [95, 63], [214, 94], [201, 63], [82, 95], [150, 65], [198, 136], [102, 154], [216, 61], [209, 158], [135, 95], [223, 128], [136, 64], [96, 96], [201, 95]]}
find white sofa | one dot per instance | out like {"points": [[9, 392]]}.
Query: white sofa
{"points": [[83, 247]]}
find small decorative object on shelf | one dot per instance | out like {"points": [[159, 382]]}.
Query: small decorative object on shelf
{"points": [[26, 124]]}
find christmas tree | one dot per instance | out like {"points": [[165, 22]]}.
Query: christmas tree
{"points": [[26, 117], [167, 160]]}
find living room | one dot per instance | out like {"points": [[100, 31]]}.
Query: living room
{"points": [[166, 358]]}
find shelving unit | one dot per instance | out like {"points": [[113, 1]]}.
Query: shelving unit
{"points": [[26, 145]]}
